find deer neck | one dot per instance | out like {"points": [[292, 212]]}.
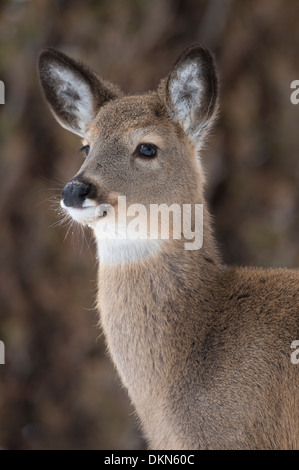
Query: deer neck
{"points": [[148, 307]]}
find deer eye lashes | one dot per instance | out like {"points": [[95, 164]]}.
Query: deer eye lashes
{"points": [[85, 149], [147, 150]]}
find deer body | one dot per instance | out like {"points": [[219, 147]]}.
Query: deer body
{"points": [[205, 371], [203, 349]]}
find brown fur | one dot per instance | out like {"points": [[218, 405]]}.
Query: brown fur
{"points": [[203, 348]]}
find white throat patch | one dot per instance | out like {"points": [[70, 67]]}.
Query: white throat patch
{"points": [[120, 252], [114, 248]]}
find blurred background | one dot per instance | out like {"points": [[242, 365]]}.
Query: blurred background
{"points": [[58, 388]]}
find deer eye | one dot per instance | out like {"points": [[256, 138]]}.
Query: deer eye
{"points": [[147, 150], [85, 149]]}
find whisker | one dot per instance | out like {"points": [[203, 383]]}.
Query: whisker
{"points": [[51, 199], [68, 230], [88, 243]]}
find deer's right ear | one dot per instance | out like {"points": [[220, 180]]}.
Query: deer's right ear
{"points": [[73, 91]]}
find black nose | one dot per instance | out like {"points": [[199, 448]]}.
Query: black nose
{"points": [[74, 193]]}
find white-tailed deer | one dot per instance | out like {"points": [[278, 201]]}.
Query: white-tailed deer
{"points": [[204, 349]]}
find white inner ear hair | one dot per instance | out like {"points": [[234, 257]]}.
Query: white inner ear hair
{"points": [[186, 90], [76, 97]]}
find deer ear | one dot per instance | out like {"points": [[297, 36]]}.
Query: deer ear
{"points": [[190, 91], [74, 92]]}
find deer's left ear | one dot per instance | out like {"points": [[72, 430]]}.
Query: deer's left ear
{"points": [[190, 91]]}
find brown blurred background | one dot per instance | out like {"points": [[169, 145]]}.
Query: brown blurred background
{"points": [[58, 388]]}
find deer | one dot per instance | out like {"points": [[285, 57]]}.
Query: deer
{"points": [[202, 348]]}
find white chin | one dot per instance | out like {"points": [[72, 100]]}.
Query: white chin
{"points": [[85, 215]]}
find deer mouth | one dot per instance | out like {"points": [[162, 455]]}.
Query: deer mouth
{"points": [[86, 214]]}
